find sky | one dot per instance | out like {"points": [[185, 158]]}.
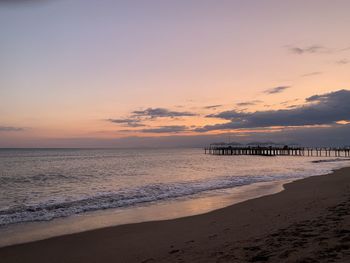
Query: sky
{"points": [[160, 73]]}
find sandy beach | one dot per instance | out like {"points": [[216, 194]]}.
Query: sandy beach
{"points": [[308, 222]]}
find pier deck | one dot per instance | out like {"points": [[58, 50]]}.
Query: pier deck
{"points": [[277, 151]]}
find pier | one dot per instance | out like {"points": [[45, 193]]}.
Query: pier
{"points": [[223, 149]]}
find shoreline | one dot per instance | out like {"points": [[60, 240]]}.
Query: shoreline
{"points": [[154, 211], [310, 219]]}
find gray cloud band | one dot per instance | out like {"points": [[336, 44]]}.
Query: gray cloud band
{"points": [[319, 110]]}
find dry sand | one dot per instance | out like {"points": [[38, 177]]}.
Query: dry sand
{"points": [[308, 222]]}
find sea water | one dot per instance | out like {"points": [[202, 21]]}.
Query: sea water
{"points": [[43, 185]]}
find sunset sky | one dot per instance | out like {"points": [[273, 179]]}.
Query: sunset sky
{"points": [[107, 73]]}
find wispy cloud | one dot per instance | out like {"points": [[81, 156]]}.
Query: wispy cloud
{"points": [[161, 113], [343, 61], [212, 106], [315, 49], [138, 117], [288, 102], [276, 90], [312, 74], [248, 103], [308, 50], [167, 129], [228, 115], [325, 109], [128, 122], [10, 129]]}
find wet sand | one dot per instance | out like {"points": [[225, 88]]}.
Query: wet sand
{"points": [[308, 222]]}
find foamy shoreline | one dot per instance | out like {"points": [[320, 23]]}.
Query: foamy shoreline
{"points": [[153, 211], [243, 232]]}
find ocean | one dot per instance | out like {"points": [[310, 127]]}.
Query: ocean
{"points": [[41, 185]]}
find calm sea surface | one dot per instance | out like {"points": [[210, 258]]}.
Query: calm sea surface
{"points": [[43, 184]]}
